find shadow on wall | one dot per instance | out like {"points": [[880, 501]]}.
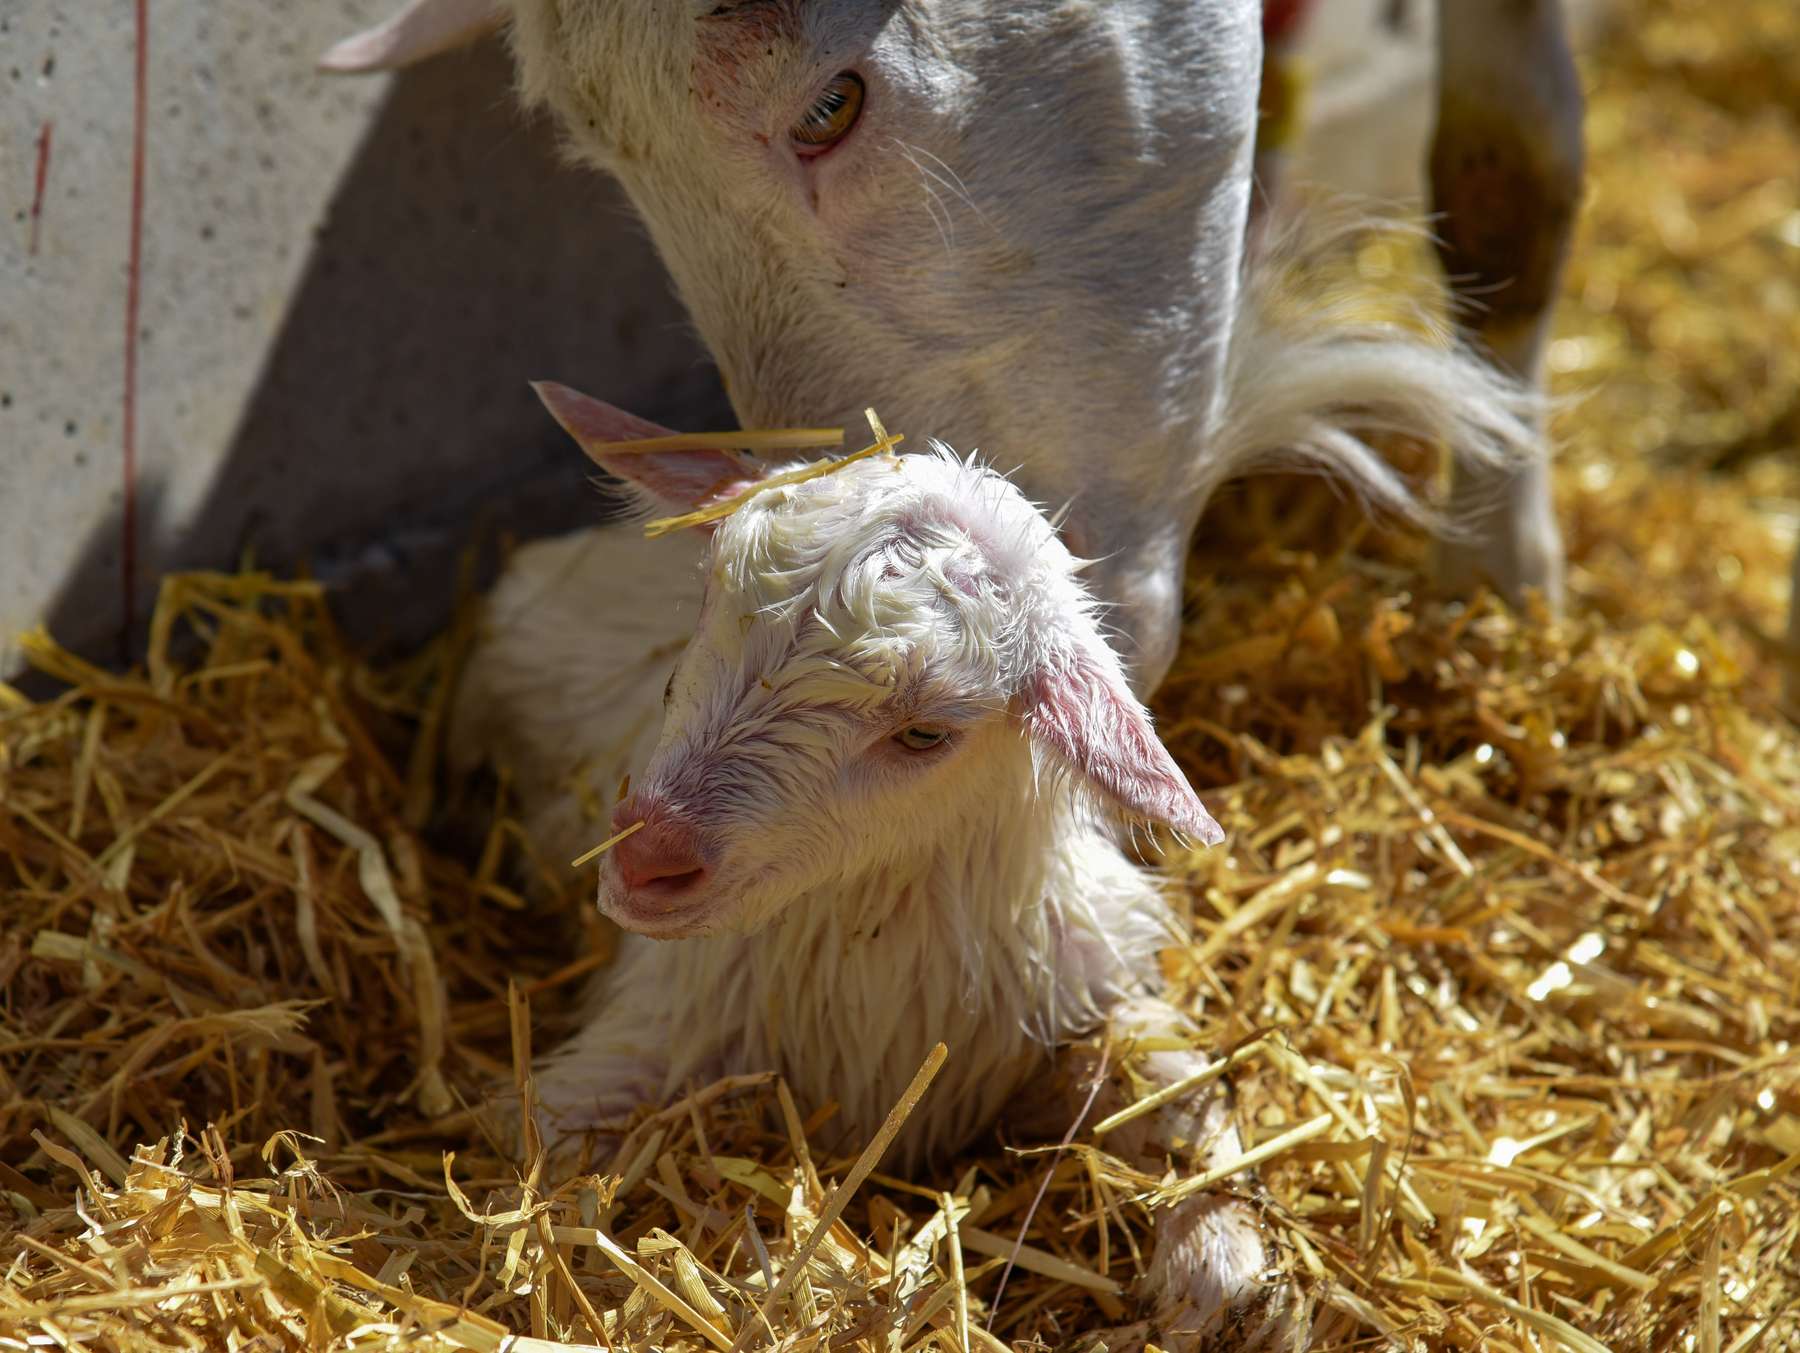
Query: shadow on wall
{"points": [[391, 425]]}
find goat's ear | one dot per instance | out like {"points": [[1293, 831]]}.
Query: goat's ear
{"points": [[1081, 706], [678, 480], [424, 28]]}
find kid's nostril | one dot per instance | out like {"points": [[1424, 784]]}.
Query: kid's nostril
{"points": [[667, 885], [663, 876], [665, 861]]}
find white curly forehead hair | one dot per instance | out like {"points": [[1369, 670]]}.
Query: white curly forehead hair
{"points": [[905, 584], [884, 654]]}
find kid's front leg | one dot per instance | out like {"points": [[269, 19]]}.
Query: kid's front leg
{"points": [[1212, 1282], [584, 1090]]}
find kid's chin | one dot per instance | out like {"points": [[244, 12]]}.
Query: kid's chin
{"points": [[660, 912]]}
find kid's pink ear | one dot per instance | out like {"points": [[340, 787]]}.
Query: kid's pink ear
{"points": [[1085, 711], [424, 28], [678, 480]]}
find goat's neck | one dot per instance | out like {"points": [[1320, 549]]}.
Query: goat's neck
{"points": [[999, 939]]}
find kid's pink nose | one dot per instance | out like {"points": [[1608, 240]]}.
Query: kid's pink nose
{"points": [[664, 855]]}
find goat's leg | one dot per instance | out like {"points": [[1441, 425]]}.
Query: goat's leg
{"points": [[617, 1060], [1280, 108], [1210, 1280], [596, 1078], [1506, 176]]}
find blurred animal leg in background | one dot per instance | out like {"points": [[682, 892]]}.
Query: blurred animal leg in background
{"points": [[1281, 106], [1506, 178]]}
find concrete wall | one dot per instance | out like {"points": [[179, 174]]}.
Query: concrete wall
{"points": [[345, 286]]}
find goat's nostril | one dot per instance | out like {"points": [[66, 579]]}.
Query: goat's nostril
{"points": [[668, 884], [666, 866], [663, 880], [665, 858]]}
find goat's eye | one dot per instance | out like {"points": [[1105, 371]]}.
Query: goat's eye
{"points": [[921, 739], [830, 119]]}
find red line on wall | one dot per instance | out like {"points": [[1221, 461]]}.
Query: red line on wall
{"points": [[133, 290], [43, 177]]}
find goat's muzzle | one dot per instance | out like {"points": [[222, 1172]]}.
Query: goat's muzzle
{"points": [[658, 876]]}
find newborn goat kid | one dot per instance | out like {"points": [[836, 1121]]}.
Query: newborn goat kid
{"points": [[882, 812]]}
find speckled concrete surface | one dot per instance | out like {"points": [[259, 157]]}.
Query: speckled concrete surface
{"points": [[345, 286]]}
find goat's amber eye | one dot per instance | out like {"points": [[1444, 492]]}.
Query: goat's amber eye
{"points": [[832, 116], [921, 739]]}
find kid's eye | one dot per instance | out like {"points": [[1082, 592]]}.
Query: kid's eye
{"points": [[831, 117], [920, 738]]}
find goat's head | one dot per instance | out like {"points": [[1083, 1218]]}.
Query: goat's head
{"points": [[897, 200], [1014, 223], [884, 655]]}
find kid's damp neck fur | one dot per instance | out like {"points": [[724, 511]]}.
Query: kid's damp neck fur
{"points": [[1002, 941]]}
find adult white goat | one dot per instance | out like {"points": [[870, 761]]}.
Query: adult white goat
{"points": [[1023, 225], [581, 632], [882, 811]]}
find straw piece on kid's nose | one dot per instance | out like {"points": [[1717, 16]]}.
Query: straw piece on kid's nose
{"points": [[607, 844]]}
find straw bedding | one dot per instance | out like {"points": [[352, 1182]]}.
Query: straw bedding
{"points": [[1507, 931]]}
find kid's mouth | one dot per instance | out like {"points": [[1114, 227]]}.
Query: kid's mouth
{"points": [[666, 907]]}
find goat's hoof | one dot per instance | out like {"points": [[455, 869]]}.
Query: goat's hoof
{"points": [[1215, 1281], [1521, 563], [572, 1135]]}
